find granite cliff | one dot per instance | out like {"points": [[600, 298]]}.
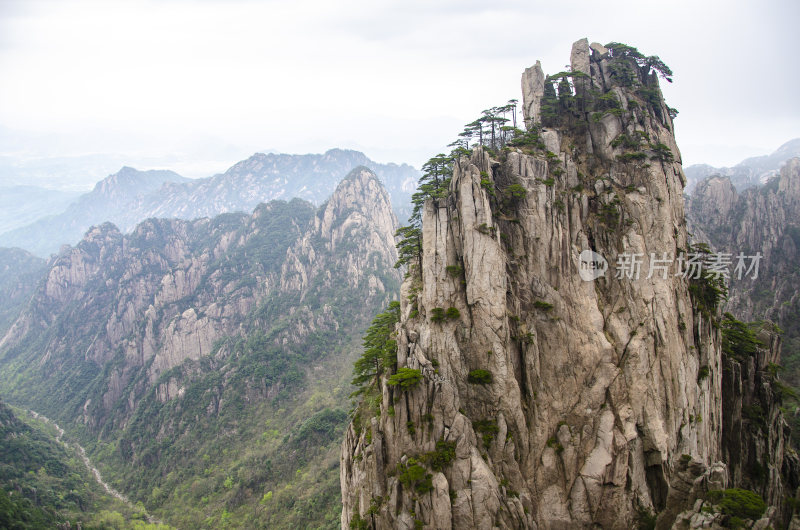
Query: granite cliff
{"points": [[523, 395]]}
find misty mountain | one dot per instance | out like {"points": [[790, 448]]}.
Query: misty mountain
{"points": [[749, 172], [265, 177], [111, 199], [22, 205], [130, 196]]}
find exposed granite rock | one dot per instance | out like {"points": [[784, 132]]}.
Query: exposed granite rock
{"points": [[532, 92], [595, 395], [755, 436], [20, 272], [608, 400]]}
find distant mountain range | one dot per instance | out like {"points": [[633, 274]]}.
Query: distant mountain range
{"points": [[131, 196], [22, 205], [750, 172]]}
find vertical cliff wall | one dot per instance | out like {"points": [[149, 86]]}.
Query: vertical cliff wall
{"points": [[546, 399]]}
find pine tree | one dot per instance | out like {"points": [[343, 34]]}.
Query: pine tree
{"points": [[380, 349]]}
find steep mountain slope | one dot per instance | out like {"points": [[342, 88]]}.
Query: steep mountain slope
{"points": [[763, 220], [129, 197], [107, 201], [43, 484], [204, 363], [522, 394], [750, 172], [20, 272]]}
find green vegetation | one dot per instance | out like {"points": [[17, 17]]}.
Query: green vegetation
{"points": [[413, 476], [439, 314], [380, 349], [739, 340], [738, 503], [662, 152], [479, 377], [454, 271], [487, 184], [405, 378], [441, 457], [707, 289], [543, 306], [487, 429], [44, 483], [632, 157], [515, 192], [609, 213], [250, 431], [553, 443], [621, 51]]}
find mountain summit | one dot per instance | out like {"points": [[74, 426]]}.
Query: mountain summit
{"points": [[518, 392]]}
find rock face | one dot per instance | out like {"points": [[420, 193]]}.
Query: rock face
{"points": [[763, 220], [532, 92], [755, 436], [567, 403]]}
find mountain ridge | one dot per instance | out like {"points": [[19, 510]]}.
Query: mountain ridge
{"points": [[125, 200], [155, 347], [752, 171]]}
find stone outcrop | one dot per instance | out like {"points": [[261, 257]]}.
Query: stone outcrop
{"points": [[566, 403], [20, 272], [532, 92]]}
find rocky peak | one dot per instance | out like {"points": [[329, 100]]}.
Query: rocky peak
{"points": [[525, 395], [359, 210], [170, 290], [129, 182], [715, 194], [532, 92], [360, 193]]}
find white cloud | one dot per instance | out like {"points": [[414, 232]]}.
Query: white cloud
{"points": [[394, 79]]}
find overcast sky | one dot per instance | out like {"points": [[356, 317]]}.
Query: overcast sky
{"points": [[217, 80]]}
